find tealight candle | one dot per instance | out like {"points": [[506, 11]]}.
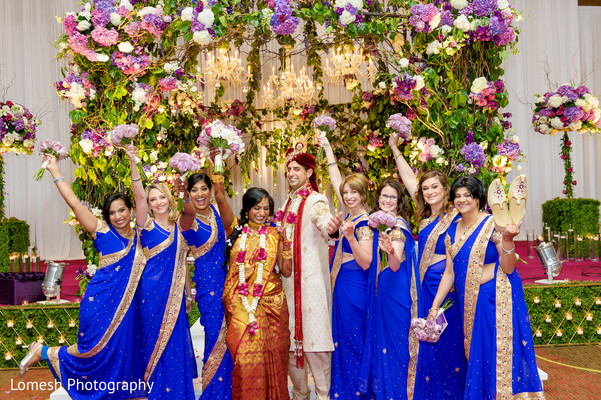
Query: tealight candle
{"points": [[579, 331], [18, 341], [558, 333], [548, 319], [599, 331], [71, 324], [40, 339], [50, 325], [8, 356], [9, 324], [536, 299], [577, 302], [589, 316], [538, 333], [61, 339], [29, 325], [597, 301], [557, 304], [569, 316]]}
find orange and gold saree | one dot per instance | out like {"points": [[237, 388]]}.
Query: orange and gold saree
{"points": [[260, 359]]}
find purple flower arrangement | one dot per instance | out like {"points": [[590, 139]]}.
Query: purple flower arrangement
{"points": [[508, 152], [226, 137], [425, 17], [282, 22], [401, 125], [183, 163], [17, 128], [567, 109], [201, 23], [324, 123], [382, 221], [484, 92], [475, 158], [77, 88], [404, 86], [349, 11]]}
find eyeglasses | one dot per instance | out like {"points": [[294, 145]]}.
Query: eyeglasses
{"points": [[387, 197]]}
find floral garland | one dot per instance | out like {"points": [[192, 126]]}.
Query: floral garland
{"points": [[243, 291], [291, 218]]}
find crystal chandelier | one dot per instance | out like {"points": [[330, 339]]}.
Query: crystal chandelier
{"points": [[347, 62], [222, 68], [288, 89]]}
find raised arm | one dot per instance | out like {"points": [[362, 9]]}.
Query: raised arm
{"points": [[186, 219], [225, 210], [85, 217], [334, 171], [137, 187], [404, 168]]}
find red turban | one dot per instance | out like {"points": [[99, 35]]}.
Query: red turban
{"points": [[304, 159]]}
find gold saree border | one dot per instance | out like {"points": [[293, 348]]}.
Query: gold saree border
{"points": [[530, 396], [215, 358], [53, 359], [174, 300], [443, 224], [134, 278], [208, 245], [473, 277], [504, 318]]}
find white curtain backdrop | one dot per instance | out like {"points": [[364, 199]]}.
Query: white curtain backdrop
{"points": [[557, 36]]}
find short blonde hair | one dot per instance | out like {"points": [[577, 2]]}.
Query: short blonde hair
{"points": [[173, 213], [356, 182]]}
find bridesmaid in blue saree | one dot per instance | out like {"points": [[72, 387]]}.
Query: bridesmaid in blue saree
{"points": [[437, 370], [103, 363], [395, 294], [351, 297], [205, 234], [169, 364], [481, 264]]}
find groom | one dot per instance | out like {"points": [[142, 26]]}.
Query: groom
{"points": [[308, 224]]}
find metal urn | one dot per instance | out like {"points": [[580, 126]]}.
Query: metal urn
{"points": [[51, 286], [550, 263]]}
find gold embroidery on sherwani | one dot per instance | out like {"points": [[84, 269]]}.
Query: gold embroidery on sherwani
{"points": [[504, 317], [208, 245], [473, 276], [53, 358], [134, 278], [174, 300], [214, 360]]}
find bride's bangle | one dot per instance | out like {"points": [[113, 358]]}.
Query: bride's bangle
{"points": [[508, 251]]}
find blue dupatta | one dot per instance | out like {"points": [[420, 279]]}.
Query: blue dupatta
{"points": [[107, 352], [169, 362], [498, 338], [207, 245]]}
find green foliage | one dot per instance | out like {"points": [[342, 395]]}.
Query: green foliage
{"points": [[559, 302], [582, 215], [14, 238], [39, 316]]}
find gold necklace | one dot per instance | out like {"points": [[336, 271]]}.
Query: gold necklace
{"points": [[466, 229], [205, 217]]}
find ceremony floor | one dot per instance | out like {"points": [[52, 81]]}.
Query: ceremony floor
{"points": [[566, 381]]}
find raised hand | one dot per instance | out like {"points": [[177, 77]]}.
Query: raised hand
{"points": [[511, 231], [132, 152], [52, 162], [393, 141], [385, 244], [180, 187], [334, 223], [323, 140], [348, 230]]}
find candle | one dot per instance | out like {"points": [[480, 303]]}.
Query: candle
{"points": [[71, 324], [569, 316], [61, 340], [589, 316], [50, 325], [18, 341], [557, 304], [548, 319], [536, 299], [40, 339], [577, 302], [599, 331], [10, 323], [539, 333], [558, 333], [8, 356], [597, 301], [25, 302], [579, 331], [27, 263], [29, 325]]}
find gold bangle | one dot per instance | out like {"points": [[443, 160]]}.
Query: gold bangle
{"points": [[217, 178], [287, 254]]}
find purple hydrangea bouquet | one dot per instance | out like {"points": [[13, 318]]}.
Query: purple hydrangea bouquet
{"points": [[183, 163], [428, 330], [228, 138], [323, 125], [400, 125], [50, 146], [382, 221], [17, 128], [282, 22], [124, 134]]}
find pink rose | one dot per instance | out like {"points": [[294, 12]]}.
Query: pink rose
{"points": [[240, 257], [291, 218], [262, 255], [279, 216]]}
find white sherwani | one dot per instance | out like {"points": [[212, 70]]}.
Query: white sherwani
{"points": [[315, 276]]}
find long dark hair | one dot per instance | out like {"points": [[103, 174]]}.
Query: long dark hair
{"points": [[251, 198], [195, 178], [109, 200]]}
